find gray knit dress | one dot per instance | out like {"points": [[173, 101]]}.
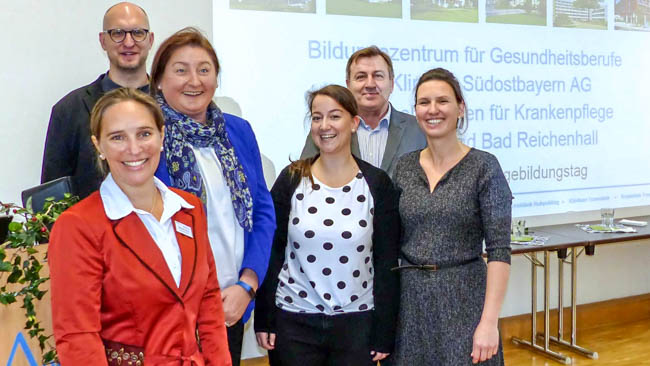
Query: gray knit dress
{"points": [[439, 311]]}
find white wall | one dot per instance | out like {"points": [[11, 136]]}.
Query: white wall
{"points": [[51, 47]]}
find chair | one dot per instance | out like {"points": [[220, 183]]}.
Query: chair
{"points": [[55, 188]]}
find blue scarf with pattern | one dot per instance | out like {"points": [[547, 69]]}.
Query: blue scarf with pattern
{"points": [[181, 133]]}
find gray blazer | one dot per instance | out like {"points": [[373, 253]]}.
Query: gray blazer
{"points": [[404, 136]]}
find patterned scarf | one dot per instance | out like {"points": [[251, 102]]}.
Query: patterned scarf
{"points": [[181, 133]]}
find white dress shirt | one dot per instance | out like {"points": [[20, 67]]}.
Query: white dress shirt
{"points": [[117, 205], [372, 141], [224, 231]]}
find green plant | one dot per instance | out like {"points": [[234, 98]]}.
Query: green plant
{"points": [[22, 268]]}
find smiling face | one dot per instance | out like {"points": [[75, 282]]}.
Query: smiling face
{"points": [[331, 125], [189, 81], [130, 142], [437, 110], [371, 84], [128, 55]]}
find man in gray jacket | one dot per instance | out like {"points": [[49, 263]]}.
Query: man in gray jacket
{"points": [[384, 133], [68, 151]]}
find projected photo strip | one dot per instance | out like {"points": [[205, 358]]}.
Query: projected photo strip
{"points": [[557, 91], [588, 14]]}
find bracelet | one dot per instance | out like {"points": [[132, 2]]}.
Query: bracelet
{"points": [[248, 288]]}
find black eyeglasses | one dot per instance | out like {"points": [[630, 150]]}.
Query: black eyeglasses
{"points": [[118, 35]]}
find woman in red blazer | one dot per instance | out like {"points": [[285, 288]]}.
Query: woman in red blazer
{"points": [[132, 274]]}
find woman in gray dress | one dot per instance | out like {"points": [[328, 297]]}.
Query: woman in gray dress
{"points": [[452, 198]]}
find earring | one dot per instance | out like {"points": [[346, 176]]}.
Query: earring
{"points": [[101, 156], [162, 148], [353, 130], [460, 122]]}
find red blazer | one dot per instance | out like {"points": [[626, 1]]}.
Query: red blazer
{"points": [[110, 282]]}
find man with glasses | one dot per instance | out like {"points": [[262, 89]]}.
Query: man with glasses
{"points": [[68, 151]]}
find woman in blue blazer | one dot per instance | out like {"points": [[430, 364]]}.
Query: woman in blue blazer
{"points": [[215, 156]]}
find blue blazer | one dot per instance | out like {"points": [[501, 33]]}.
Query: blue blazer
{"points": [[257, 243]]}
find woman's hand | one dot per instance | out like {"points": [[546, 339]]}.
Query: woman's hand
{"points": [[266, 340], [235, 300], [486, 335], [378, 356], [486, 342]]}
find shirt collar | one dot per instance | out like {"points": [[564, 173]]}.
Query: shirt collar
{"points": [[107, 84], [117, 205], [383, 123]]}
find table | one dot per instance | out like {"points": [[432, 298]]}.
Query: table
{"points": [[562, 239]]}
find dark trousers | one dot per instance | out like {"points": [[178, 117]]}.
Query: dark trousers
{"points": [[235, 338], [317, 339]]}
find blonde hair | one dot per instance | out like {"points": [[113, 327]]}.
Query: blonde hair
{"points": [[114, 97]]}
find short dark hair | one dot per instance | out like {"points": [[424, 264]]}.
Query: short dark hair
{"points": [[189, 36], [448, 77], [371, 51]]}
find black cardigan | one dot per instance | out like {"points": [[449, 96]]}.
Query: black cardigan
{"points": [[385, 239]]}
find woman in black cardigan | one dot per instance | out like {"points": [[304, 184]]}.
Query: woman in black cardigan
{"points": [[329, 297]]}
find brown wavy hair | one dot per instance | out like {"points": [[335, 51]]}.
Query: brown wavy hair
{"points": [[345, 99]]}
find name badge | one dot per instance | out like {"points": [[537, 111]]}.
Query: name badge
{"points": [[184, 229]]}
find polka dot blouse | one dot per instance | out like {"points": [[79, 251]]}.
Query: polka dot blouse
{"points": [[328, 264]]}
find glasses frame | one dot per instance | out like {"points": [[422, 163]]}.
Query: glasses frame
{"points": [[111, 31]]}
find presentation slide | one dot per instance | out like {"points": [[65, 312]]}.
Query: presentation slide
{"points": [[556, 89]]}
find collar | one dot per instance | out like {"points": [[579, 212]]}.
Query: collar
{"points": [[384, 123], [108, 84], [117, 205]]}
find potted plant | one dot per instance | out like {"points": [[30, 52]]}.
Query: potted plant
{"points": [[20, 267]]}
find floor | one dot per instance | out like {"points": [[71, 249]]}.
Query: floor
{"points": [[621, 345]]}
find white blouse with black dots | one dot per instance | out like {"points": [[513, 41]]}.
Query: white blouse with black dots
{"points": [[328, 260]]}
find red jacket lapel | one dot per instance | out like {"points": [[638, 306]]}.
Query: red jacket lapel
{"points": [[133, 234]]}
